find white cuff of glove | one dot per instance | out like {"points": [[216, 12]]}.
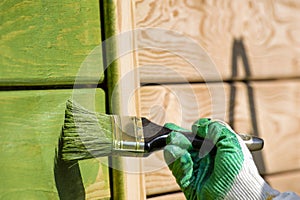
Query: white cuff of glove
{"points": [[249, 185]]}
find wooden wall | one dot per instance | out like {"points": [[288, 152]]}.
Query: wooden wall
{"points": [[254, 47], [268, 28], [31, 123], [233, 45], [44, 44], [45, 49]]}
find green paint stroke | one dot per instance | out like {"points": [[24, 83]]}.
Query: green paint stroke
{"points": [[31, 123]]}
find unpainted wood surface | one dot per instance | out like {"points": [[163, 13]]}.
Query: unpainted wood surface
{"points": [[184, 104], [180, 104], [159, 178], [31, 124], [276, 104], [47, 42], [269, 30], [176, 196], [285, 182]]}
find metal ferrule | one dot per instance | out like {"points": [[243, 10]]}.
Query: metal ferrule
{"points": [[128, 137]]}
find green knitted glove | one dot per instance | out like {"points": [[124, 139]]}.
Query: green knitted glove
{"points": [[228, 173]]}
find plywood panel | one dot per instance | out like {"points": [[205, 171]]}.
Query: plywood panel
{"points": [[176, 196], [160, 179], [184, 104], [285, 181], [48, 42], [276, 105], [269, 31], [180, 104], [31, 123]]}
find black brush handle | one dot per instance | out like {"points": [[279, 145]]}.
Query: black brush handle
{"points": [[156, 137]]}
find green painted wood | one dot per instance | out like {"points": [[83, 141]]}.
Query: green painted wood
{"points": [[113, 68], [110, 24], [46, 42], [31, 123]]}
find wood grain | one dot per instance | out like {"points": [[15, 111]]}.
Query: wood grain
{"points": [[122, 81], [31, 123], [285, 181], [276, 103], [180, 104], [176, 196], [184, 104], [269, 31], [159, 179], [47, 43]]}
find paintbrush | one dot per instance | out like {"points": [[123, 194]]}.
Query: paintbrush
{"points": [[88, 134]]}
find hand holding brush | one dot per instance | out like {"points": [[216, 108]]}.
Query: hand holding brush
{"points": [[228, 173], [89, 134]]}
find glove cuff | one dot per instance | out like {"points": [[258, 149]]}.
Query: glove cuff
{"points": [[249, 184]]}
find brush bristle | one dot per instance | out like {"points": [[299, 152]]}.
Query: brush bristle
{"points": [[85, 134]]}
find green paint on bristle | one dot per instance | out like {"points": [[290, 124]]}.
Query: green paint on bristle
{"points": [[86, 134]]}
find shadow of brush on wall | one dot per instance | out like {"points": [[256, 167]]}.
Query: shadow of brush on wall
{"points": [[68, 178], [239, 51]]}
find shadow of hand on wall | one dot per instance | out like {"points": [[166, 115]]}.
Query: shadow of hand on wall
{"points": [[68, 178]]}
